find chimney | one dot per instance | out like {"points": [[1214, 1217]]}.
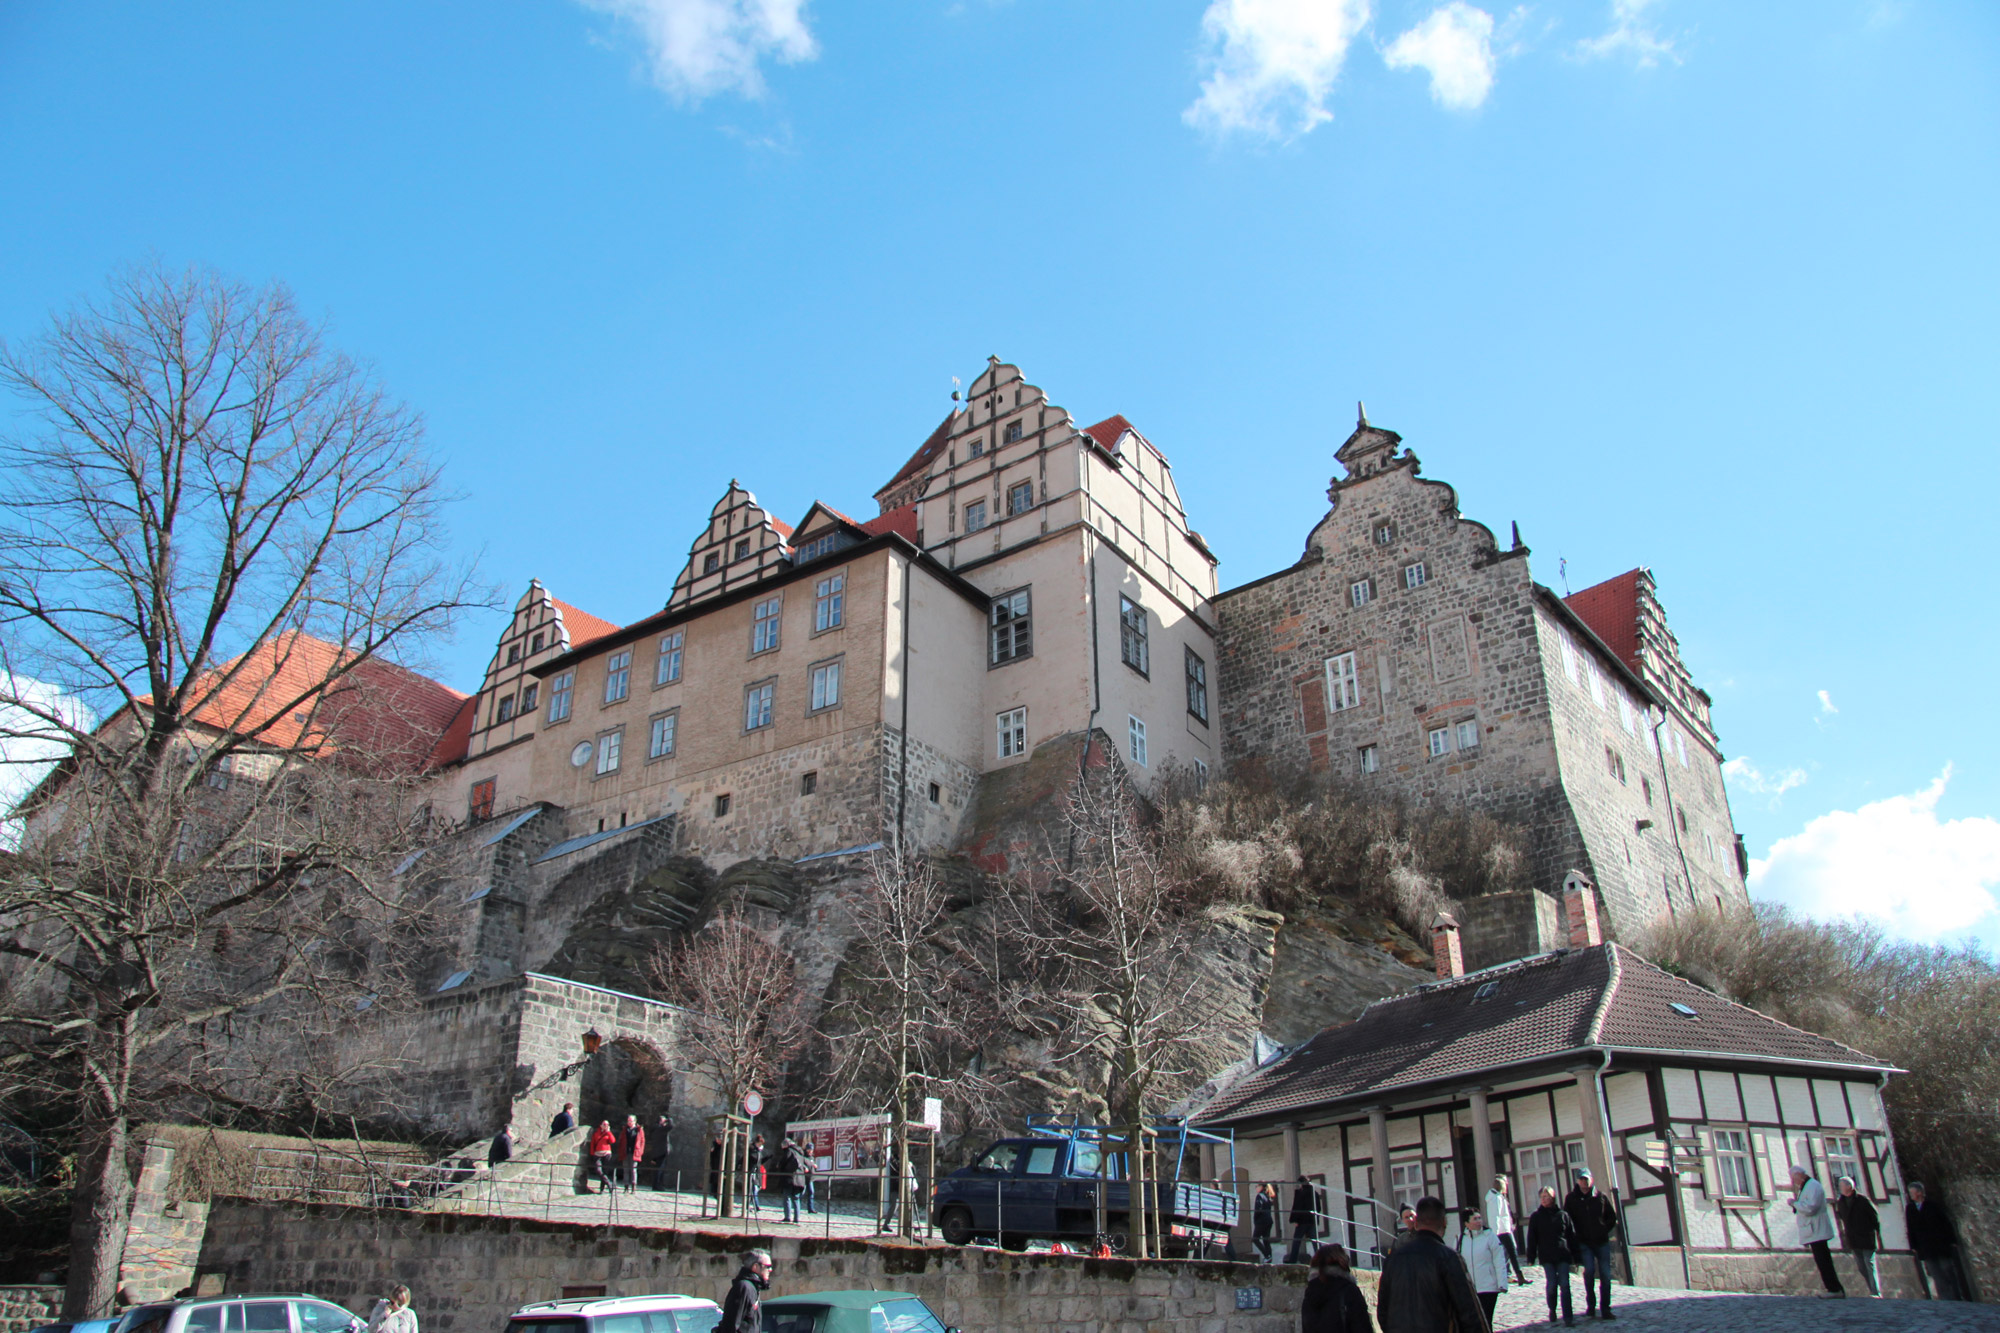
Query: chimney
{"points": [[1580, 910], [1444, 947]]}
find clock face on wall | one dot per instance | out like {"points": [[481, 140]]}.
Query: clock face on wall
{"points": [[580, 756]]}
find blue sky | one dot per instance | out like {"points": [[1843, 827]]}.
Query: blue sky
{"points": [[1708, 287]]}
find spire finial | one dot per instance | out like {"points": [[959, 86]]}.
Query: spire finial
{"points": [[1361, 415], [1517, 534]]}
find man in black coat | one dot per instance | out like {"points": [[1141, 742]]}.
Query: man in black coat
{"points": [[1596, 1217], [502, 1149], [1424, 1286], [743, 1308], [1935, 1243], [564, 1121], [1552, 1244], [1861, 1228], [657, 1144], [1304, 1218]]}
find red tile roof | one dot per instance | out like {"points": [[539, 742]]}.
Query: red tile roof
{"points": [[1547, 1007], [582, 626], [457, 737], [1109, 431], [926, 451], [1611, 609], [902, 521]]}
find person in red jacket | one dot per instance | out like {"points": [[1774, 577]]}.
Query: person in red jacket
{"points": [[631, 1150], [603, 1144]]}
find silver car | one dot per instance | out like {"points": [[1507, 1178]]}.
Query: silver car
{"points": [[278, 1312], [665, 1313]]}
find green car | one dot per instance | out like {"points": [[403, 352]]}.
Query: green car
{"points": [[851, 1312]]}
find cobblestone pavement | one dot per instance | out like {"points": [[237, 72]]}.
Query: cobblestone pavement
{"points": [[1654, 1308]]}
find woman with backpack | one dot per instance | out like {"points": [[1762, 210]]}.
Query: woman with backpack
{"points": [[1552, 1243]]}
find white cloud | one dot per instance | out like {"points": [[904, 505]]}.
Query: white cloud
{"points": [[1272, 63], [700, 47], [1892, 861], [1455, 44], [1630, 34], [1744, 776], [1826, 703], [29, 745]]}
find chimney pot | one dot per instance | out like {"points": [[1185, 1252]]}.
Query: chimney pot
{"points": [[1445, 950], [1580, 910]]}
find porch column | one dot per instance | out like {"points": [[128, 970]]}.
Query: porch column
{"points": [[1292, 1170], [1596, 1147], [1378, 1142], [1482, 1145]]}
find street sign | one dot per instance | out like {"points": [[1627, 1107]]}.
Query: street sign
{"points": [[1249, 1298], [753, 1104], [934, 1114]]}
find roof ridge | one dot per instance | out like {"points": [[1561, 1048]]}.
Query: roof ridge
{"points": [[1595, 1032]]}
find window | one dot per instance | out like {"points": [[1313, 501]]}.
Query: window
{"points": [[808, 782], [505, 711], [262, 1317], [721, 804], [618, 676], [1440, 741], [559, 692], [764, 625], [1343, 683], [1843, 1160], [1385, 533], [513, 653], [1197, 685], [1614, 763], [528, 696], [1542, 1166], [1570, 667], [711, 562], [742, 548], [757, 705], [1360, 593], [1200, 774], [1413, 575], [1132, 646], [535, 644], [1406, 1183], [1009, 625], [935, 792], [481, 804], [1013, 728], [319, 1317], [1020, 497], [669, 669], [975, 515], [1646, 788], [662, 743], [820, 546], [1682, 815], [1013, 432], [1135, 740], [1736, 1177], [975, 445], [1468, 735], [829, 599], [1371, 759], [1625, 713], [608, 747], [826, 686]]}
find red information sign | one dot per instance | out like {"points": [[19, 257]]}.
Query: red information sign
{"points": [[856, 1145]]}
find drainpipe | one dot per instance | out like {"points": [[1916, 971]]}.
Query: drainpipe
{"points": [[1096, 681], [903, 768], [1610, 1163], [1673, 811]]}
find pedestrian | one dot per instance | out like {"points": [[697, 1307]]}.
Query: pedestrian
{"points": [[565, 1120], [1552, 1244], [603, 1148], [658, 1142], [1484, 1260], [908, 1194], [743, 1308], [1263, 1219], [503, 1147], [393, 1313], [1860, 1229], [1406, 1222], [1424, 1287], [753, 1185], [1596, 1218], [809, 1165], [1935, 1244], [631, 1152], [779, 1180], [1332, 1301], [1500, 1220], [1815, 1219], [1304, 1218]]}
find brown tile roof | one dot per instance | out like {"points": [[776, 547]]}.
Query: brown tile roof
{"points": [[1540, 1008], [582, 626], [902, 521], [1109, 431], [1611, 609]]}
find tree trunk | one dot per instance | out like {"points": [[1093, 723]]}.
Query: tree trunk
{"points": [[100, 1213]]}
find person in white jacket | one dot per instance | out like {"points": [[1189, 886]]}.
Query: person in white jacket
{"points": [[1485, 1261], [1815, 1218], [1500, 1221]]}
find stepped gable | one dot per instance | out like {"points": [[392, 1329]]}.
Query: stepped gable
{"points": [[743, 543], [908, 483], [1611, 609], [1573, 1002]]}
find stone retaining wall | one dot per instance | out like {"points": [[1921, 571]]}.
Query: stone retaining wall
{"points": [[23, 1308], [1974, 1202], [468, 1272]]}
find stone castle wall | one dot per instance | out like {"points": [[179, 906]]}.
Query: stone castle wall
{"points": [[470, 1272]]}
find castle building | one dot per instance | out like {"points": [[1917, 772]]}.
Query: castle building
{"points": [[1407, 656]]}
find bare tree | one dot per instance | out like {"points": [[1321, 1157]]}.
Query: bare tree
{"points": [[214, 533], [745, 1009]]}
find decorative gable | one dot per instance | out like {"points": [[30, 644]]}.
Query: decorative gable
{"points": [[742, 544]]}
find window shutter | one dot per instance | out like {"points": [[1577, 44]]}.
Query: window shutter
{"points": [[1711, 1170]]}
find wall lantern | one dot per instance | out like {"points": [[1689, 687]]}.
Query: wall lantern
{"points": [[591, 1041]]}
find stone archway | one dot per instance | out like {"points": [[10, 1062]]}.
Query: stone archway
{"points": [[626, 1077]]}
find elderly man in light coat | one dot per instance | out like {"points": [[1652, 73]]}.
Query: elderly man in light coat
{"points": [[1815, 1218]]}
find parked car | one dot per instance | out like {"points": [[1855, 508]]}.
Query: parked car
{"points": [[276, 1312], [81, 1326], [665, 1313], [851, 1312]]}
